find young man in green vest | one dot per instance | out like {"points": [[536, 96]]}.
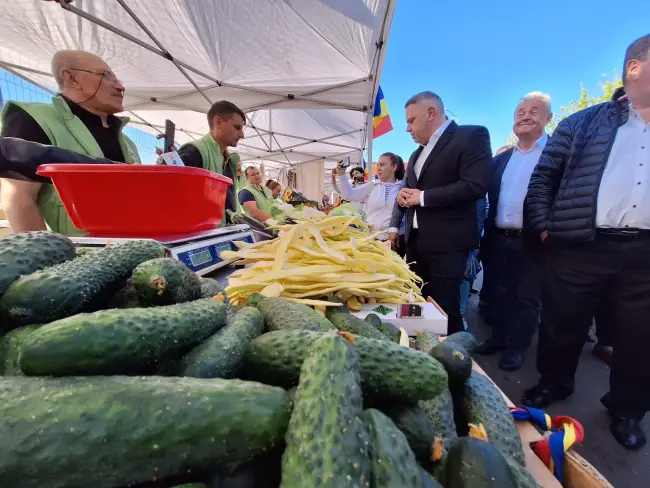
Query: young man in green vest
{"points": [[80, 119], [255, 199], [226, 122]]}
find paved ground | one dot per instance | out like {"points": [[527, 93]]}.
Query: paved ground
{"points": [[624, 469]]}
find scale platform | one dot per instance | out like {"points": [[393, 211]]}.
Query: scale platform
{"points": [[199, 251]]}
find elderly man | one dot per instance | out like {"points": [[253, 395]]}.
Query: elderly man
{"points": [[448, 172], [510, 247], [255, 199], [226, 122], [589, 201], [81, 119]]}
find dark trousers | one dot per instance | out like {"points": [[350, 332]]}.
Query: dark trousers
{"points": [[442, 274], [604, 324], [577, 280], [401, 246], [487, 287], [516, 297]]}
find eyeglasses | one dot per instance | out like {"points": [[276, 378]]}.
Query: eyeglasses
{"points": [[106, 75]]}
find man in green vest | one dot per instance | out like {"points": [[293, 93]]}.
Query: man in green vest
{"points": [[82, 119], [226, 122], [255, 199]]}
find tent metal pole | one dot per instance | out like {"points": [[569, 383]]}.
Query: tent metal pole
{"points": [[311, 139], [24, 78], [375, 76], [25, 68]]}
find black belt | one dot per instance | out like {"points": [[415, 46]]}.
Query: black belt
{"points": [[510, 232], [623, 234]]}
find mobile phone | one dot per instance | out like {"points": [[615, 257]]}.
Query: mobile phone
{"points": [[409, 311], [345, 163]]}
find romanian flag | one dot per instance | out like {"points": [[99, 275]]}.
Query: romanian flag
{"points": [[381, 120]]}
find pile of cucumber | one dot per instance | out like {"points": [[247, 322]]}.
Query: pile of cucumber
{"points": [[121, 368]]}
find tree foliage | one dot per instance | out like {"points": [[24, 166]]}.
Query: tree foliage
{"points": [[585, 100]]}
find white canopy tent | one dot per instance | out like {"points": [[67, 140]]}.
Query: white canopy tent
{"points": [[304, 71]]}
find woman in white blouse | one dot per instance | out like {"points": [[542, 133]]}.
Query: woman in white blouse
{"points": [[379, 195]]}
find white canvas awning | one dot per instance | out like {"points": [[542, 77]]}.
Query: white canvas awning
{"points": [[305, 71]]}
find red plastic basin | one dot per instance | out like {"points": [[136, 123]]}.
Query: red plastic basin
{"points": [[139, 200]]}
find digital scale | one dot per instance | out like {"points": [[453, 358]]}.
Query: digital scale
{"points": [[199, 251]]}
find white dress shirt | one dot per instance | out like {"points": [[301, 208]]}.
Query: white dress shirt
{"points": [[379, 199], [514, 185], [624, 192], [419, 162]]}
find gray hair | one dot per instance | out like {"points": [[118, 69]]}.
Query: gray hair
{"points": [[541, 96], [426, 96]]}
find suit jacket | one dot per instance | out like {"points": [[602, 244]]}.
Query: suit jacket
{"points": [[499, 165], [454, 176]]}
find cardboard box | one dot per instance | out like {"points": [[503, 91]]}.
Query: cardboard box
{"points": [[433, 319]]}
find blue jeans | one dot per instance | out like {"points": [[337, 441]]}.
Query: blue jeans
{"points": [[464, 296]]}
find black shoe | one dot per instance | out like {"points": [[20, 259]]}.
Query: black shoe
{"points": [[627, 432], [511, 361], [541, 396], [490, 346]]}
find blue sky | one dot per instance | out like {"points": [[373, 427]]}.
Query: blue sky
{"points": [[481, 59]]}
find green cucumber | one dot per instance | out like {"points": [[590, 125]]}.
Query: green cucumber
{"points": [[210, 287], [483, 403], [125, 297], [456, 360], [520, 475], [349, 323], [317, 317], [393, 462], [80, 251], [222, 355], [262, 472], [104, 432], [129, 341], [440, 411], [165, 281], [25, 253], [416, 426], [390, 331], [427, 480], [425, 340], [473, 463], [388, 370], [74, 286], [282, 314], [374, 320], [465, 339], [10, 345], [326, 439]]}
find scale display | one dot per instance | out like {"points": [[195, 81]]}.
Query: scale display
{"points": [[200, 257], [205, 258]]}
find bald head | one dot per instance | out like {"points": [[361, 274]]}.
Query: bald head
{"points": [[86, 79], [70, 60]]}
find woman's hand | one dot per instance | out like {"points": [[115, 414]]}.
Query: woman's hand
{"points": [[339, 170]]}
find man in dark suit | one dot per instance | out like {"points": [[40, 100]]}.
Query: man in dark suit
{"points": [[511, 250], [446, 175]]}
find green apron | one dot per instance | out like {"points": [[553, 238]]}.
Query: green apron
{"points": [[66, 131]]}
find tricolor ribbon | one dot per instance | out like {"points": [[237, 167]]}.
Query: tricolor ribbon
{"points": [[565, 432]]}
